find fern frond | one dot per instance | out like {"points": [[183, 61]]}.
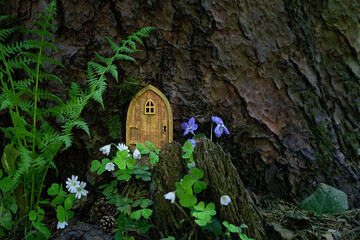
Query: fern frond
{"points": [[41, 33], [66, 139], [112, 69], [22, 167], [112, 44], [80, 123], [104, 60], [124, 57], [38, 44], [23, 84], [98, 68], [5, 33], [136, 39]]}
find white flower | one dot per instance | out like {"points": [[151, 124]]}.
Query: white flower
{"points": [[72, 184], [122, 146], [170, 196], [225, 200], [80, 190], [105, 149], [110, 166], [62, 225], [136, 154]]}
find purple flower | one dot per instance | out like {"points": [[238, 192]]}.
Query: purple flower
{"points": [[220, 128], [190, 126], [192, 142]]}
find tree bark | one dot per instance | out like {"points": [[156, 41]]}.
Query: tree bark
{"points": [[284, 76]]}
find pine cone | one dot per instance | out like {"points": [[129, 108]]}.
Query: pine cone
{"points": [[107, 223], [101, 208]]}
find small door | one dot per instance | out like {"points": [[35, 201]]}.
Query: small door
{"points": [[149, 119]]}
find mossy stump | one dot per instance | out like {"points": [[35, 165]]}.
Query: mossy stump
{"points": [[221, 178]]}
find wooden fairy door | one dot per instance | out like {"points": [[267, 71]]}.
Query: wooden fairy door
{"points": [[149, 118]]}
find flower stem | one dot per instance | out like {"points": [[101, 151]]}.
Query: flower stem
{"points": [[211, 130], [182, 210]]}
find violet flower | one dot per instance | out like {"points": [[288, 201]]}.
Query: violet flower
{"points": [[190, 126], [220, 128]]}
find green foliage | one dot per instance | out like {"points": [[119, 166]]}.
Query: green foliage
{"points": [[34, 141], [326, 200], [203, 213], [128, 89], [150, 149], [230, 228], [114, 124]]}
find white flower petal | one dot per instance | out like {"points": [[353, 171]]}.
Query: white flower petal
{"points": [[110, 166], [225, 200], [61, 225], [122, 146], [136, 154], [105, 149], [170, 196]]}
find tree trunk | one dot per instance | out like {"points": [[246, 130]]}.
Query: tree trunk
{"points": [[283, 75], [221, 178]]}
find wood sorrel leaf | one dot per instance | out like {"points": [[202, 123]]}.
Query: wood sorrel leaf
{"points": [[199, 186], [60, 213], [188, 200], [136, 215], [197, 173], [146, 213], [68, 203], [130, 162], [326, 200], [153, 158], [53, 189], [95, 164], [188, 149], [142, 148]]}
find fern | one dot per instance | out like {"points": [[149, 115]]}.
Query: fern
{"points": [[37, 140]]}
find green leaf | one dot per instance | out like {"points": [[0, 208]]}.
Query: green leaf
{"points": [[199, 186], [188, 149], [68, 203], [120, 162], [200, 206], [188, 200], [326, 200], [146, 213], [54, 189], [130, 162], [214, 226], [231, 227], [154, 158], [32, 215], [136, 215], [188, 181], [9, 157], [1, 173], [58, 200], [201, 222], [145, 203], [60, 213], [42, 228], [95, 165], [5, 184], [142, 148], [197, 173]]}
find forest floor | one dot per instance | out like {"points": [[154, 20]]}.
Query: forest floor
{"points": [[286, 220]]}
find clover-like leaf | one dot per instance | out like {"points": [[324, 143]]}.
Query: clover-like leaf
{"points": [[146, 213], [188, 149], [130, 162], [326, 200], [199, 186], [95, 165], [60, 213], [53, 189], [154, 158], [142, 149], [68, 203], [136, 215], [197, 173]]}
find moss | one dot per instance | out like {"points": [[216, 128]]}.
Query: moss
{"points": [[113, 123], [322, 141], [128, 89]]}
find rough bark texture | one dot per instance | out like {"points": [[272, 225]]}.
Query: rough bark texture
{"points": [[284, 76], [221, 178]]}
